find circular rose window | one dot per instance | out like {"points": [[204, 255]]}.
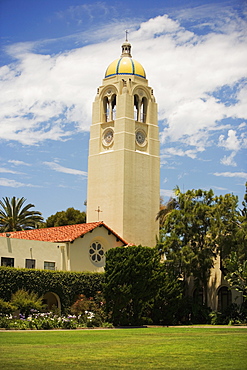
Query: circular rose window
{"points": [[96, 252]]}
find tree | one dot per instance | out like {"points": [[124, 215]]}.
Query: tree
{"points": [[195, 232], [237, 273], [235, 261], [165, 209], [69, 217], [131, 280], [15, 217], [167, 303]]}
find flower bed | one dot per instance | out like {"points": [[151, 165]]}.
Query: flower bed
{"points": [[48, 320]]}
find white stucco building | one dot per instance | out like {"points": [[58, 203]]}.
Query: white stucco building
{"points": [[69, 248]]}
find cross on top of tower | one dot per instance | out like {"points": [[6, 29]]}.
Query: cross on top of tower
{"points": [[126, 47]]}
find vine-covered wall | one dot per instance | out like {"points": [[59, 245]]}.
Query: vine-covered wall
{"points": [[67, 285]]}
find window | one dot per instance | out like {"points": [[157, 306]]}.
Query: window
{"points": [[49, 265], [96, 252], [140, 108], [109, 106], [136, 108], [6, 261], [143, 112], [224, 298], [30, 264]]}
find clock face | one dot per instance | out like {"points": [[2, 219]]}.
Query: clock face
{"points": [[141, 137], [108, 136]]}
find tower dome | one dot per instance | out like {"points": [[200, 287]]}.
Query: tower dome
{"points": [[125, 65]]}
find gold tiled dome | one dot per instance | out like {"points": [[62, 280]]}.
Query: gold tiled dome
{"points": [[125, 65]]}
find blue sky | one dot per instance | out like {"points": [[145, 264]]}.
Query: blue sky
{"points": [[53, 57]]}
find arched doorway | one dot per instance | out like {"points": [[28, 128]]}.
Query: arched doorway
{"points": [[52, 301], [198, 296]]}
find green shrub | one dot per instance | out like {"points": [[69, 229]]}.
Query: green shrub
{"points": [[26, 301], [4, 322], [167, 303], [233, 314], [91, 310], [132, 280], [67, 285], [6, 307], [216, 318]]}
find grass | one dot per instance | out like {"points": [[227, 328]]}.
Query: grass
{"points": [[145, 348]]}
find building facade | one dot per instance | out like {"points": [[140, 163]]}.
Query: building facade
{"points": [[68, 248]]}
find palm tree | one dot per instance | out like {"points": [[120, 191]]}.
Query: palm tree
{"points": [[165, 209], [15, 217]]}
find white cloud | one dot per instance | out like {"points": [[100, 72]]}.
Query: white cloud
{"points": [[17, 51], [45, 95], [231, 142], [179, 152], [181, 175], [216, 16], [218, 187], [15, 184], [48, 97], [6, 170], [229, 160], [166, 193], [193, 117], [242, 125], [157, 26], [242, 175], [79, 13], [57, 167], [18, 163]]}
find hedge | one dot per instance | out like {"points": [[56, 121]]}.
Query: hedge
{"points": [[67, 285]]}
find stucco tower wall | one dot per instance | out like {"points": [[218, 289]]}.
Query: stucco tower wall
{"points": [[124, 176]]}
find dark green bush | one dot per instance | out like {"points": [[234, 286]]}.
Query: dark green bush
{"points": [[132, 281], [166, 305]]}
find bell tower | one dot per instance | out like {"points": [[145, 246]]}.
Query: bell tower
{"points": [[123, 162]]}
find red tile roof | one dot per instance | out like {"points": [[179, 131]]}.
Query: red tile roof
{"points": [[60, 234]]}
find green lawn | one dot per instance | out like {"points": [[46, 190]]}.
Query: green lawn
{"points": [[145, 348]]}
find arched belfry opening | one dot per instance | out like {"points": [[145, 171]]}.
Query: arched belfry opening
{"points": [[140, 108], [124, 152], [109, 108], [144, 105]]}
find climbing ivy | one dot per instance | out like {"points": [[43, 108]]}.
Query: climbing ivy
{"points": [[67, 285]]}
